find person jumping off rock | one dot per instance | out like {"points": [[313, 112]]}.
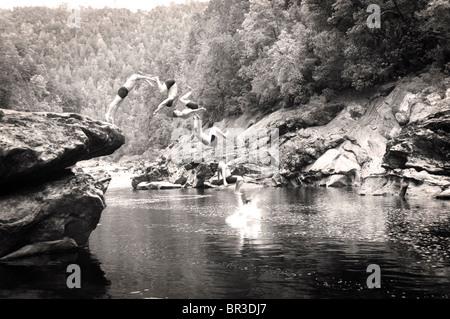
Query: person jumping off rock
{"points": [[211, 137], [122, 93], [170, 87], [190, 107]]}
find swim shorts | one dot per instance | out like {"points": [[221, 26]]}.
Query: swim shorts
{"points": [[123, 92], [169, 83], [231, 179], [192, 105], [213, 138], [169, 103]]}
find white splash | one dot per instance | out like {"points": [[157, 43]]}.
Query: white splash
{"points": [[247, 219]]}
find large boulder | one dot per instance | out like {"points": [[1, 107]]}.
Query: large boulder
{"points": [[202, 174], [421, 183], [153, 174], [335, 168], [374, 141], [33, 145], [424, 145], [67, 206], [416, 160], [384, 185], [334, 162], [45, 206], [362, 129], [408, 183], [401, 102]]}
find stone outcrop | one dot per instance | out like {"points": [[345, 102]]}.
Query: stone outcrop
{"points": [[352, 144], [423, 145], [36, 144], [416, 160], [390, 140], [45, 205], [394, 144], [157, 185]]}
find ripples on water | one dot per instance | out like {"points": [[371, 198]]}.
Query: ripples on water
{"points": [[301, 243]]}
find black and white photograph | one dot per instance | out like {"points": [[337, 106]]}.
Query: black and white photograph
{"points": [[224, 154]]}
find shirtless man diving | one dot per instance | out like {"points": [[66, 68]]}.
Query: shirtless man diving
{"points": [[122, 93]]}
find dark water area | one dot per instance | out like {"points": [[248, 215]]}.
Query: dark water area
{"points": [[305, 243]]}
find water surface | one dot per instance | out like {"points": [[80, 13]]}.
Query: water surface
{"points": [[307, 243]]}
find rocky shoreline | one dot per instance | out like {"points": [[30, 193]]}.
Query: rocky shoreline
{"points": [[394, 141], [46, 205]]}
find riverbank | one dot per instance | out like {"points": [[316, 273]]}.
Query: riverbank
{"points": [[391, 140]]}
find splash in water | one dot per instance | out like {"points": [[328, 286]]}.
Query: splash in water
{"points": [[247, 219]]}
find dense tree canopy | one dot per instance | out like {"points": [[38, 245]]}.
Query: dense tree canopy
{"points": [[237, 55]]}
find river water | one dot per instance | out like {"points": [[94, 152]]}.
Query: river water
{"points": [[294, 243]]}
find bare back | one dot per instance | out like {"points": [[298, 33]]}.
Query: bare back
{"points": [[173, 91], [131, 82], [223, 170]]}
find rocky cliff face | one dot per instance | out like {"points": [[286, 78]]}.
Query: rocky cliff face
{"points": [[417, 159], [394, 143], [34, 145], [393, 140], [45, 206]]}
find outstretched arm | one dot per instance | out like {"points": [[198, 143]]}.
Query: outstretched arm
{"points": [[189, 112], [142, 77], [162, 87], [160, 106], [148, 81]]}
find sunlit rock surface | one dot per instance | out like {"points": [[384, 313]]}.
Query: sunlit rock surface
{"points": [[44, 205], [33, 145]]}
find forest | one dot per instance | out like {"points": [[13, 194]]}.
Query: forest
{"points": [[238, 56]]}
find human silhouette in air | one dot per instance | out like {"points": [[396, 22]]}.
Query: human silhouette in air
{"points": [[122, 93], [190, 109], [211, 137], [170, 87]]}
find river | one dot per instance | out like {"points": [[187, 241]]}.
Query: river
{"points": [[300, 243]]}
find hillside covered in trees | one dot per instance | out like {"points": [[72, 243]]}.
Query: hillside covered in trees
{"points": [[238, 55]]}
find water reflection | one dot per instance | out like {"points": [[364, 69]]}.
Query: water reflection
{"points": [[292, 243], [45, 276], [306, 243]]}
